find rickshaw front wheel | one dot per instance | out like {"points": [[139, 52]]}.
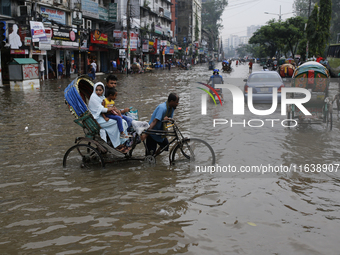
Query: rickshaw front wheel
{"points": [[193, 150]]}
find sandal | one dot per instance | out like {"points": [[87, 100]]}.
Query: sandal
{"points": [[125, 136], [123, 149]]}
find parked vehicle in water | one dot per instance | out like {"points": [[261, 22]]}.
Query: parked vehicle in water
{"points": [[262, 84]]}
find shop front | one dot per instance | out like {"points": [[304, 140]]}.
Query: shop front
{"points": [[65, 47], [99, 51]]}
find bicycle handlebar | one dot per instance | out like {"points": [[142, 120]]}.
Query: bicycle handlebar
{"points": [[169, 120]]}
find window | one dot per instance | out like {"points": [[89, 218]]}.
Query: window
{"points": [[5, 8]]}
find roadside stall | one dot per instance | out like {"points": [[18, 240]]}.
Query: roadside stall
{"points": [[23, 74]]}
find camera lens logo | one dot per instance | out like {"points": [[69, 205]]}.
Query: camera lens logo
{"points": [[208, 92]]}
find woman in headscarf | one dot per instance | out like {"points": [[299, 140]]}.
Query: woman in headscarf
{"points": [[96, 108]]}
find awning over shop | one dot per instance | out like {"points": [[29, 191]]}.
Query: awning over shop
{"points": [[24, 61], [68, 47]]}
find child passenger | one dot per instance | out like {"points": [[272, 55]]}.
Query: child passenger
{"points": [[115, 114]]}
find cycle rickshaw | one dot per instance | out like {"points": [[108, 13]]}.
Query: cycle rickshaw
{"points": [[316, 78], [92, 150]]}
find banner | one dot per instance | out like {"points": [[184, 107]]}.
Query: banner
{"points": [[113, 12], [145, 47], [19, 36], [98, 37], [63, 35], [117, 34], [46, 45], [53, 14], [103, 13], [133, 40], [90, 8], [38, 31]]}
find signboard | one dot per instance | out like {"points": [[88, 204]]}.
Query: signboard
{"points": [[46, 45], [17, 35], [37, 31], [133, 40], [145, 47], [158, 30], [77, 18], [113, 12], [122, 53], [117, 43], [103, 13], [98, 37], [63, 35], [28, 41], [39, 52], [117, 34], [53, 14], [23, 52], [90, 8]]}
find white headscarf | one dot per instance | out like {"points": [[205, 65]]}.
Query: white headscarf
{"points": [[95, 104]]}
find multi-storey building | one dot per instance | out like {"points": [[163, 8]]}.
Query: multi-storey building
{"points": [[252, 29], [189, 25]]}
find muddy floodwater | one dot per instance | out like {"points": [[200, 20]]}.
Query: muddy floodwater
{"points": [[137, 208]]}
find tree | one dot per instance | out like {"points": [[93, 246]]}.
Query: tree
{"points": [[267, 37], [211, 16], [302, 7], [335, 21], [312, 31], [324, 24], [292, 32]]}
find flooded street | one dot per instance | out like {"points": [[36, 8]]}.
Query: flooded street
{"points": [[136, 208]]}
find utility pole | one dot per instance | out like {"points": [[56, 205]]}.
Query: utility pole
{"points": [[128, 35]]}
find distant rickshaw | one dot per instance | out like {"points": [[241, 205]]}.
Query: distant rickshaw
{"points": [[286, 70], [226, 66], [211, 65], [263, 61], [316, 78]]}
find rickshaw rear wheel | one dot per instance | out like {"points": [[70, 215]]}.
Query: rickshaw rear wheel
{"points": [[87, 155]]}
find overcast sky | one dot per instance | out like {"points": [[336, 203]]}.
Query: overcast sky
{"points": [[240, 14]]}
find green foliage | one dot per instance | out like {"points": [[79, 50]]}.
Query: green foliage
{"points": [[335, 21], [301, 9], [312, 31], [302, 48], [211, 17], [324, 24], [279, 37]]}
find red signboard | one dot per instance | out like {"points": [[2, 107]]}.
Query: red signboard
{"points": [[98, 37]]}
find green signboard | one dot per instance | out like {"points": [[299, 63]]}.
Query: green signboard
{"points": [[113, 12]]}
